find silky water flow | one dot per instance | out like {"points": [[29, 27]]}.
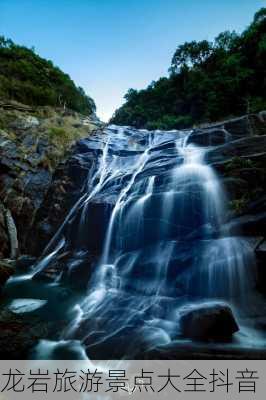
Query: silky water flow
{"points": [[152, 213]]}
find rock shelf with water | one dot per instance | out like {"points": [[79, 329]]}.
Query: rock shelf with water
{"points": [[147, 235]]}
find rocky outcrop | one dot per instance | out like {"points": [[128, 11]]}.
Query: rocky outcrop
{"points": [[4, 240], [231, 147], [240, 159], [230, 130], [40, 180], [33, 142], [19, 334], [237, 151], [7, 269], [260, 252], [209, 321], [238, 154], [65, 189]]}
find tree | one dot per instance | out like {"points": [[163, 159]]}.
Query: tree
{"points": [[226, 40], [131, 94], [30, 79], [260, 16], [190, 54], [207, 82]]}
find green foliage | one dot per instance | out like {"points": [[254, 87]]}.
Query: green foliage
{"points": [[32, 80], [239, 205], [257, 104], [260, 15], [61, 136], [190, 54], [56, 132], [207, 82], [238, 163]]}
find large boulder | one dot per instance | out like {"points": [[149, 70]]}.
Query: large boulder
{"points": [[208, 321]]}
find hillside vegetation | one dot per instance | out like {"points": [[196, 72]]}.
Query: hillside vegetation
{"points": [[208, 81], [27, 78]]}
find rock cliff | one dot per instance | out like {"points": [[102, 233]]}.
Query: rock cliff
{"points": [[41, 178], [33, 143]]}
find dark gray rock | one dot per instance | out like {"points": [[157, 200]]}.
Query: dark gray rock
{"points": [[36, 185], [247, 125], [23, 123], [42, 146], [208, 321], [249, 224], [6, 270], [236, 187], [25, 262], [29, 141], [20, 333], [75, 269], [8, 150], [4, 238], [249, 147], [260, 252], [209, 137]]}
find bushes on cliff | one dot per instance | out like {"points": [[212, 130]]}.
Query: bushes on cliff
{"points": [[208, 81], [32, 80]]}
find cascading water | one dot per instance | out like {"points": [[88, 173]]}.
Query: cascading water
{"points": [[163, 243]]}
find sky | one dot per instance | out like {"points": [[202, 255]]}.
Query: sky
{"points": [[109, 46]]}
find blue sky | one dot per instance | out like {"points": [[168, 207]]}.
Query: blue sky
{"points": [[108, 46]]}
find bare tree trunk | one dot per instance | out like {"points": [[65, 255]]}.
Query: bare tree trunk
{"points": [[12, 233]]}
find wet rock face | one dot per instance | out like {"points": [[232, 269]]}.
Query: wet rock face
{"points": [[40, 196], [235, 148], [23, 263], [65, 189], [20, 333], [6, 270], [213, 321], [260, 252], [76, 269], [143, 166], [32, 144], [52, 211], [240, 161], [4, 240], [230, 130]]}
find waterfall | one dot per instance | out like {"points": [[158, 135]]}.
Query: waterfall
{"points": [[164, 243]]}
